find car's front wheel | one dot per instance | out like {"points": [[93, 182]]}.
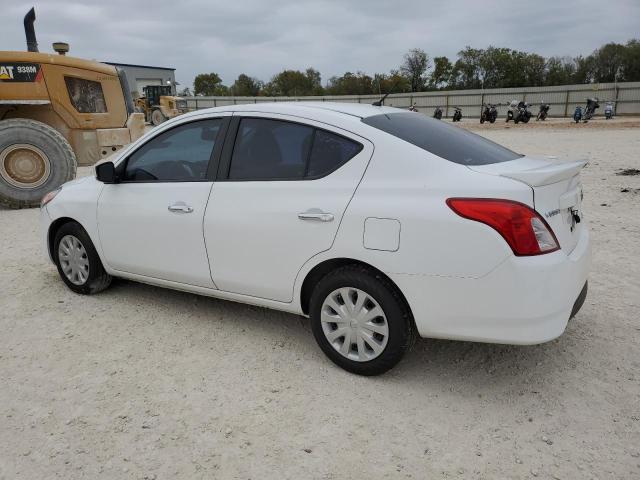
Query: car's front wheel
{"points": [[360, 320], [78, 262]]}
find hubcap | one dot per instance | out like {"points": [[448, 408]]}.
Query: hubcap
{"points": [[354, 324], [24, 166], [73, 260]]}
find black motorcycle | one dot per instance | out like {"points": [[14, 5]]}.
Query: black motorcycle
{"points": [[590, 109], [489, 113], [519, 112], [437, 114], [457, 114], [543, 113]]}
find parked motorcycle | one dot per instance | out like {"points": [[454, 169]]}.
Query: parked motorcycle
{"points": [[457, 114], [543, 112], [608, 111], [519, 112], [590, 109], [489, 113], [437, 114], [413, 108], [577, 114]]}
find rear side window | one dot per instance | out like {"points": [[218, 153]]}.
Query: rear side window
{"points": [[267, 149], [270, 149], [435, 136], [329, 152], [86, 95]]}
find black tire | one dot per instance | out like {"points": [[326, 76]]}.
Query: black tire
{"points": [[398, 315], [492, 119], [526, 118], [482, 119], [97, 278], [157, 117], [33, 136]]}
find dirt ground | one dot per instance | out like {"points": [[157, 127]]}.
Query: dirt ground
{"points": [[144, 383]]}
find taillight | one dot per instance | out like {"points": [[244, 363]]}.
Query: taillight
{"points": [[523, 228]]}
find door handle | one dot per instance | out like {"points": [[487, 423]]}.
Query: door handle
{"points": [[316, 216], [180, 207]]}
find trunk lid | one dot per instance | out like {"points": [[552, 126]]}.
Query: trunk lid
{"points": [[557, 192]]}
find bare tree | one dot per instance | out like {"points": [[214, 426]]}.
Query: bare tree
{"points": [[415, 66]]}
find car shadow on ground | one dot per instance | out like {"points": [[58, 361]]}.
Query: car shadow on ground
{"points": [[457, 364]]}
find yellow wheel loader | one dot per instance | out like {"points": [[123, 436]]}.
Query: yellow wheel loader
{"points": [[158, 104], [57, 112]]}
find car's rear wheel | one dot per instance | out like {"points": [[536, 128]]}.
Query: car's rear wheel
{"points": [[78, 262], [360, 320]]}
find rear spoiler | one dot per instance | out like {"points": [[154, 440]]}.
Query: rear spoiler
{"points": [[546, 175], [535, 172]]}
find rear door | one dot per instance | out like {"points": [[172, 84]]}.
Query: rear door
{"points": [[151, 222], [281, 191]]}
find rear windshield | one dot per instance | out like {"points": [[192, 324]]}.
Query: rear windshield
{"points": [[435, 136]]}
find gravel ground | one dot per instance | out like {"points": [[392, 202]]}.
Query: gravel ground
{"points": [[145, 383]]}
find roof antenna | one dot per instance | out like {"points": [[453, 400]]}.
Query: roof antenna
{"points": [[380, 102]]}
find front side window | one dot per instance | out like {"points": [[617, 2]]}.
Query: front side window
{"points": [[86, 95], [446, 141], [181, 154], [267, 149]]}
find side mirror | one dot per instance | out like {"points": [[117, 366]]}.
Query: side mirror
{"points": [[106, 173]]}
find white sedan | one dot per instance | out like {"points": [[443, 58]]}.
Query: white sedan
{"points": [[377, 223]]}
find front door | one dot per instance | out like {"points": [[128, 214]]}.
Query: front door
{"points": [[281, 191], [151, 222]]}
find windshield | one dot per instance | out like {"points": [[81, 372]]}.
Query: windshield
{"points": [[451, 143]]}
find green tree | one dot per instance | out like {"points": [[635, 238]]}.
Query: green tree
{"points": [[631, 62], [467, 72], [584, 69], [350, 84], [415, 66], [246, 86], [209, 84], [560, 71], [393, 82], [534, 69], [608, 62], [441, 74], [291, 83]]}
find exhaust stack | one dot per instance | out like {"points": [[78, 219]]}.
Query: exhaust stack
{"points": [[30, 33]]}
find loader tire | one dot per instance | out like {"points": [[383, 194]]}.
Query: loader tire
{"points": [[157, 117], [34, 160]]}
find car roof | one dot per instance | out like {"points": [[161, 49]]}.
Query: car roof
{"points": [[322, 111]]}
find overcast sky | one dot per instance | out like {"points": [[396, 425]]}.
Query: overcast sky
{"points": [[262, 37]]}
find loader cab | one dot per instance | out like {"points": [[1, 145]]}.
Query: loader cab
{"points": [[153, 93]]}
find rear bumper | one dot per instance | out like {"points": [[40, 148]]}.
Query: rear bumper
{"points": [[524, 300]]}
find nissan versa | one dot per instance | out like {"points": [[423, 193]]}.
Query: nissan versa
{"points": [[377, 223]]}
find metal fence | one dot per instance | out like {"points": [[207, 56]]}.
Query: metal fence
{"points": [[563, 99]]}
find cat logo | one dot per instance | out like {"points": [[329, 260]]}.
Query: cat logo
{"points": [[19, 72], [6, 72]]}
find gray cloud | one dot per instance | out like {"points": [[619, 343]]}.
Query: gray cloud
{"points": [[261, 38]]}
